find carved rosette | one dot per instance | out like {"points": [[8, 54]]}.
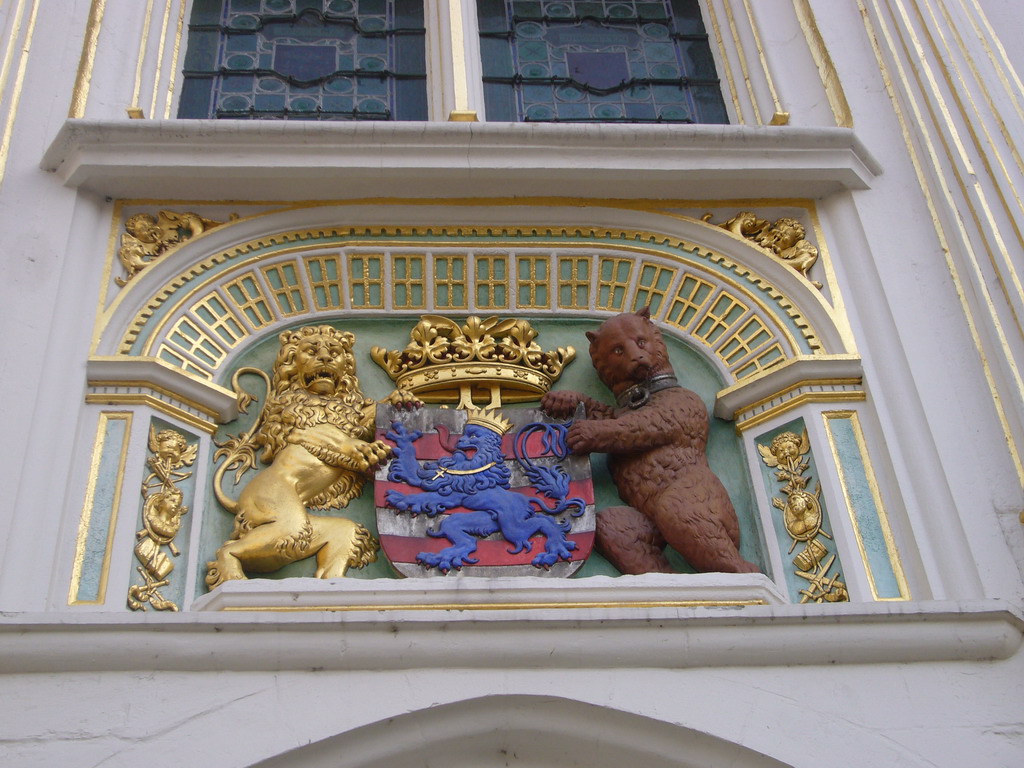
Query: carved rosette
{"points": [[162, 511], [802, 518]]}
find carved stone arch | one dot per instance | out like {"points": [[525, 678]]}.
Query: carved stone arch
{"points": [[533, 731], [750, 296]]}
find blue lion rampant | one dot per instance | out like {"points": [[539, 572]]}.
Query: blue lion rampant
{"points": [[475, 477]]}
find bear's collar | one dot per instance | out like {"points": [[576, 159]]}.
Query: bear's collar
{"points": [[638, 395]]}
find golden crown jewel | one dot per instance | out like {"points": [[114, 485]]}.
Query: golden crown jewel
{"points": [[483, 360]]}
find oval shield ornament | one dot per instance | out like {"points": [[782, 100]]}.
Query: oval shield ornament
{"points": [[482, 493]]}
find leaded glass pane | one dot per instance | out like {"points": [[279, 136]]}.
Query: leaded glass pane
{"points": [[634, 61], [306, 60]]}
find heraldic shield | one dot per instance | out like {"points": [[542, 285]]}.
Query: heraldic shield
{"points": [[482, 493]]}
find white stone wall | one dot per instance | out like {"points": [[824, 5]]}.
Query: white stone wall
{"points": [[919, 203]]}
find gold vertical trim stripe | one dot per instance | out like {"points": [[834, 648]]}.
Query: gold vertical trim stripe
{"points": [[724, 55], [970, 188], [940, 232], [143, 43], [160, 57], [19, 82], [832, 281], [781, 117], [731, 18], [12, 39], [823, 61], [1009, 78], [86, 62], [990, 224], [173, 75], [87, 508], [876, 496], [1007, 135]]}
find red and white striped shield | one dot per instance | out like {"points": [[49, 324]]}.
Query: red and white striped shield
{"points": [[460, 497]]}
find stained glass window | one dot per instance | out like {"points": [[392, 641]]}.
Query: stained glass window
{"points": [[635, 61], [306, 60]]}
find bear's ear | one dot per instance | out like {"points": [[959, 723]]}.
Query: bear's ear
{"points": [[645, 312], [591, 336]]}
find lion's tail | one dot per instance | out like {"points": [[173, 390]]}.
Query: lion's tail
{"points": [[560, 506], [364, 548], [231, 505]]}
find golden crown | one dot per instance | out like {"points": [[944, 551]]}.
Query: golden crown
{"points": [[490, 418], [483, 360]]}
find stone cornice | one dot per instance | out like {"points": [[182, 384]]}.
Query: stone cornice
{"points": [[591, 637], [152, 372], [821, 372], [254, 160]]}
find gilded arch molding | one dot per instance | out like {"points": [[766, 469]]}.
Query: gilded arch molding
{"points": [[185, 316]]}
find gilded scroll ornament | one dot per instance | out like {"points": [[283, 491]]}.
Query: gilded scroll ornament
{"points": [[783, 239], [162, 511], [316, 436], [802, 519], [147, 237], [484, 358]]}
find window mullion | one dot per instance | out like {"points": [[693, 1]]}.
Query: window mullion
{"points": [[456, 89]]}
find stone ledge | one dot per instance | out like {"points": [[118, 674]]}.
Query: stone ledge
{"points": [[280, 160], [595, 637], [797, 371], [482, 597], [159, 374]]}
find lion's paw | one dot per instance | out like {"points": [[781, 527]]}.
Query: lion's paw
{"points": [[401, 436], [403, 400], [554, 551], [445, 562], [396, 499], [374, 453], [217, 574]]}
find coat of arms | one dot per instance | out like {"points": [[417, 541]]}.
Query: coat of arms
{"points": [[479, 491]]}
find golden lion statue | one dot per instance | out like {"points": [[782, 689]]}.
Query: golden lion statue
{"points": [[315, 433]]}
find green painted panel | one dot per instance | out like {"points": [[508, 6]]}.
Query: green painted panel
{"points": [[863, 507], [724, 449], [102, 511]]}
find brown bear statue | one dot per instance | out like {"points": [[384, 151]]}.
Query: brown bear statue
{"points": [[655, 438]]}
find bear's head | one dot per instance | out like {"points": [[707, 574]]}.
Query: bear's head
{"points": [[628, 349]]}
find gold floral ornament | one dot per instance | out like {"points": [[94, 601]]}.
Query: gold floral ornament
{"points": [[484, 360], [161, 517], [802, 519], [783, 239], [147, 237]]}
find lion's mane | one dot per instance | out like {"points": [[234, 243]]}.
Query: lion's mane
{"points": [[291, 406], [493, 477]]}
